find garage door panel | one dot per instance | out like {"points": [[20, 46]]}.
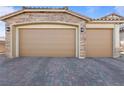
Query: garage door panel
{"points": [[99, 42], [47, 42]]}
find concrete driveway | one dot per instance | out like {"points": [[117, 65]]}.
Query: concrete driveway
{"points": [[61, 71]]}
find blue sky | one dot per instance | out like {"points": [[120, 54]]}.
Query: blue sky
{"points": [[90, 11]]}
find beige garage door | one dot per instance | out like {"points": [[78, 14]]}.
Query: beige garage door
{"points": [[99, 42], [52, 42]]}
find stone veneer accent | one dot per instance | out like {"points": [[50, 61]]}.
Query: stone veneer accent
{"points": [[83, 41], [46, 16], [7, 44]]}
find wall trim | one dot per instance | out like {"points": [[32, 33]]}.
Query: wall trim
{"points": [[116, 41], [46, 22]]}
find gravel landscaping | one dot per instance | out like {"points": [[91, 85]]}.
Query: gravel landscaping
{"points": [[29, 71]]}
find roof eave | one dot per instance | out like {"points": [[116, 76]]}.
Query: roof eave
{"points": [[43, 10], [108, 21]]}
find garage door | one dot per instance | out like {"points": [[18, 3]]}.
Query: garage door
{"points": [[47, 42], [99, 42]]}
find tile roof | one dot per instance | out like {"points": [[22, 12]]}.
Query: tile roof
{"points": [[111, 17]]}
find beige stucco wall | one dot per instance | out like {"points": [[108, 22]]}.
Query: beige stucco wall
{"points": [[100, 25], [33, 18], [116, 41]]}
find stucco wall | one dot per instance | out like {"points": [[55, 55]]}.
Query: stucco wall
{"points": [[41, 17]]}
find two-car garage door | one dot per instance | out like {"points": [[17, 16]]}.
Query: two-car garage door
{"points": [[52, 42]]}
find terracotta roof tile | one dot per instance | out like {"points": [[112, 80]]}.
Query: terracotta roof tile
{"points": [[111, 17]]}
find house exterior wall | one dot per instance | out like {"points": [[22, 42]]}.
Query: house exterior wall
{"points": [[7, 44], [42, 17]]}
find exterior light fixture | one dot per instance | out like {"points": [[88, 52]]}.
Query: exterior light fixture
{"points": [[82, 29], [8, 29]]}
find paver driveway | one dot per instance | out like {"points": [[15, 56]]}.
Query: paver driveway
{"points": [[61, 71]]}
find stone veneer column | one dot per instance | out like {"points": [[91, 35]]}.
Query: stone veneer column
{"points": [[7, 44], [7, 41], [116, 41], [82, 41]]}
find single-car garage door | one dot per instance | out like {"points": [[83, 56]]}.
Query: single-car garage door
{"points": [[99, 42], [53, 42]]}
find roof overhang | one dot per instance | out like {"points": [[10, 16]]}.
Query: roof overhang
{"points": [[44, 10], [112, 22]]}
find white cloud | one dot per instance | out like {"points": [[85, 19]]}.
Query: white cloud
{"points": [[119, 9], [3, 11]]}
